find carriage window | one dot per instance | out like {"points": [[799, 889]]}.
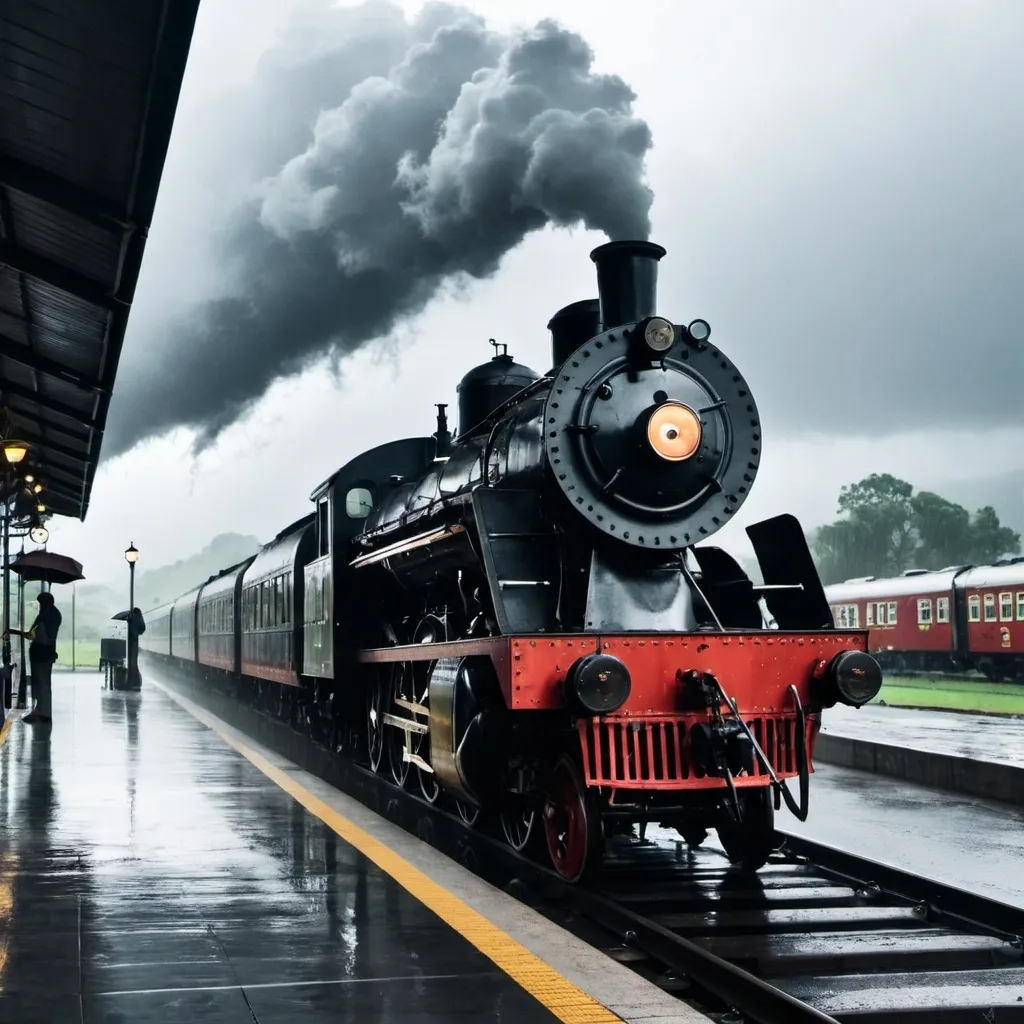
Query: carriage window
{"points": [[853, 616], [358, 503], [974, 608], [892, 613], [990, 607], [1020, 607], [1006, 607], [942, 609], [869, 616], [924, 611]]}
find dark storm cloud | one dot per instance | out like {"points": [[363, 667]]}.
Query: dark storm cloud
{"points": [[862, 260], [436, 146]]}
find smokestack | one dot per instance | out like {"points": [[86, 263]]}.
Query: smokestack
{"points": [[627, 281], [571, 326], [443, 434]]}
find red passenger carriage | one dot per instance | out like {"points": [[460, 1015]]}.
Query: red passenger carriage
{"points": [[953, 620]]}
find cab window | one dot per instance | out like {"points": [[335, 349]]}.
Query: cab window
{"points": [[323, 528], [358, 503]]}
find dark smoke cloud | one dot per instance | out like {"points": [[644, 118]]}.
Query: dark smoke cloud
{"points": [[439, 145]]}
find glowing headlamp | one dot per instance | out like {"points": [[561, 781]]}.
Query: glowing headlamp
{"points": [[674, 431]]}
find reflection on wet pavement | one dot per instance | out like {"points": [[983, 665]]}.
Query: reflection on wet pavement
{"points": [[149, 873], [980, 737]]}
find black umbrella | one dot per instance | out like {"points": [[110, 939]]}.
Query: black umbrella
{"points": [[122, 616], [46, 567]]}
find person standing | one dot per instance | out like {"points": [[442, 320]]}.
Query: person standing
{"points": [[42, 653], [136, 627]]}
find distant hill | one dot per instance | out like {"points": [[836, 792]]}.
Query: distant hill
{"points": [[157, 586], [96, 603]]}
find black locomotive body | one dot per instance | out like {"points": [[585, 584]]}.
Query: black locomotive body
{"points": [[520, 620]]}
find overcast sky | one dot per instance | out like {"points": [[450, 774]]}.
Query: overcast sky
{"points": [[838, 186]]}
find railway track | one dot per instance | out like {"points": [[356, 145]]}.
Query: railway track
{"points": [[818, 935]]}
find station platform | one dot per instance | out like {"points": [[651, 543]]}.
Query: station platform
{"points": [[979, 737], [156, 867]]}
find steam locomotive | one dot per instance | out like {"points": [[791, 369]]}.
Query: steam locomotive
{"points": [[521, 621]]}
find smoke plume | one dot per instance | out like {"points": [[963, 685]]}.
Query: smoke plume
{"points": [[399, 154]]}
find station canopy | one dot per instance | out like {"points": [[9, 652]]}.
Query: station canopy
{"points": [[88, 93]]}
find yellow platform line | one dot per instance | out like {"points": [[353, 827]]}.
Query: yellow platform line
{"points": [[566, 1001], [6, 727]]}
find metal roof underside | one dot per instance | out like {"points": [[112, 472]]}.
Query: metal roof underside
{"points": [[88, 92]]}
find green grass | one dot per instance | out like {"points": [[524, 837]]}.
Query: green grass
{"points": [[954, 695], [87, 655]]}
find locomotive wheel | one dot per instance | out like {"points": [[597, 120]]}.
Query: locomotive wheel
{"points": [[519, 825], [378, 699], [429, 786], [572, 824], [394, 740], [749, 843], [468, 812]]}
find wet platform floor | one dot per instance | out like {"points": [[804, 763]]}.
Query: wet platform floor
{"points": [[954, 733], [150, 873]]}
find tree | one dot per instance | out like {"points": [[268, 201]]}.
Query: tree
{"points": [[882, 510], [943, 531], [842, 550], [884, 529], [989, 540]]}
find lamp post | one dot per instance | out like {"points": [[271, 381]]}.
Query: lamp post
{"points": [[14, 453], [131, 556]]}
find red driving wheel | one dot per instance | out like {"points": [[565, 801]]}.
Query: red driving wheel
{"points": [[571, 825]]}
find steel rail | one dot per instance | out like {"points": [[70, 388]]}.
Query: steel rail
{"points": [[968, 910]]}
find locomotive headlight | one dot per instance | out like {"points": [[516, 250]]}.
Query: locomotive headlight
{"points": [[659, 334], [674, 431], [598, 682], [699, 330], [856, 676]]}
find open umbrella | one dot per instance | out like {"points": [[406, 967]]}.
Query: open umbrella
{"points": [[47, 567], [122, 616]]}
